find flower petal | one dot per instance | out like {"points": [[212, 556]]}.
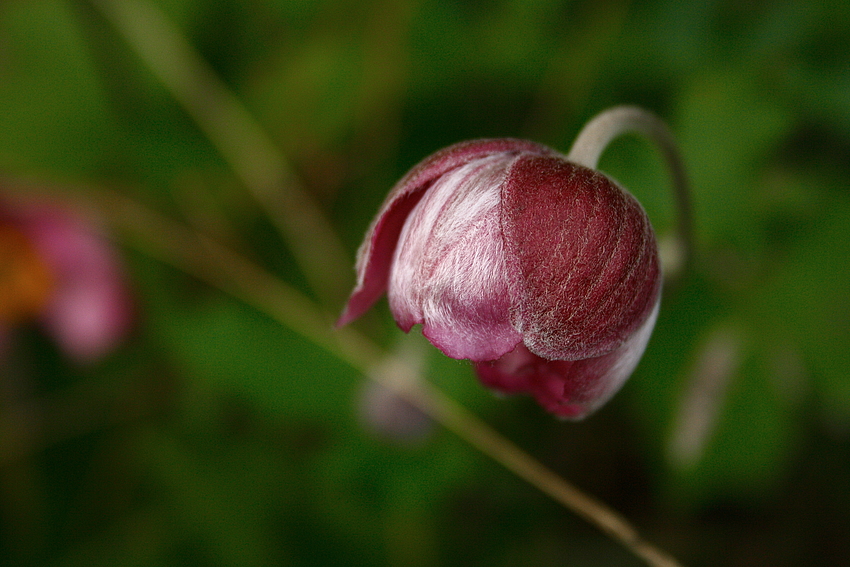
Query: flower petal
{"points": [[375, 254], [586, 254], [571, 389], [90, 310], [449, 273]]}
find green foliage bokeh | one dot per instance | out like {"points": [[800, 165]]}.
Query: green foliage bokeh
{"points": [[217, 437]]}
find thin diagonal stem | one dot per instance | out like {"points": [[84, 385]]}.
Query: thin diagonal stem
{"points": [[261, 166], [241, 141], [207, 260], [619, 120]]}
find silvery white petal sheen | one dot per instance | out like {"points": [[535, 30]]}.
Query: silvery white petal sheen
{"points": [[374, 257], [449, 271]]}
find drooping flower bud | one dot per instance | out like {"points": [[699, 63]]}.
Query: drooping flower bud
{"points": [[542, 272]]}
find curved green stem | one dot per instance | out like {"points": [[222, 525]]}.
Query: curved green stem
{"points": [[619, 120]]}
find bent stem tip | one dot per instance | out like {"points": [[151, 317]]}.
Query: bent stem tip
{"points": [[602, 129]]}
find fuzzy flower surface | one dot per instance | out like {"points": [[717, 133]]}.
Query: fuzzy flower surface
{"points": [[542, 272], [58, 271]]}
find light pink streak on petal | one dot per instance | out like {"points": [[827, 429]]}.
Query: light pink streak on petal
{"points": [[91, 311], [375, 254], [449, 272], [568, 389]]}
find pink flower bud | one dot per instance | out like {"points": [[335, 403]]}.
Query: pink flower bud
{"points": [[542, 272]]}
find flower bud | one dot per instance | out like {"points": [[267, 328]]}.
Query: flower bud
{"points": [[542, 272]]}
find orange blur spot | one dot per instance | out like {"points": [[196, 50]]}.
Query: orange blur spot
{"points": [[26, 282]]}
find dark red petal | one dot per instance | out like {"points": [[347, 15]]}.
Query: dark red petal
{"points": [[586, 254], [570, 389], [374, 258], [562, 387]]}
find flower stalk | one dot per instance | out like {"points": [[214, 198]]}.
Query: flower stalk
{"points": [[247, 148], [610, 124], [220, 267]]}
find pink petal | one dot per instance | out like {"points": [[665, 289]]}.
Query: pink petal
{"points": [[571, 389], [375, 254], [90, 311], [586, 254], [449, 273]]}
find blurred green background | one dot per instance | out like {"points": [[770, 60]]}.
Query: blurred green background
{"points": [[215, 436]]}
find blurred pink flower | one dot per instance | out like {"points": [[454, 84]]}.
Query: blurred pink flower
{"points": [[388, 415], [56, 269], [542, 272]]}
